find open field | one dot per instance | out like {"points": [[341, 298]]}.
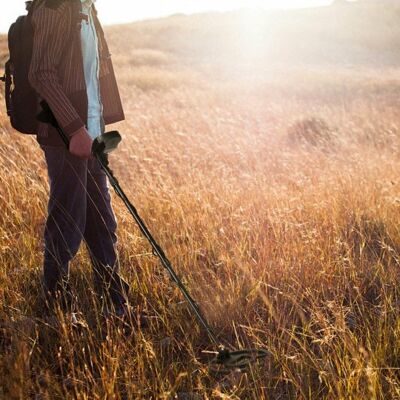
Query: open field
{"points": [[274, 189]]}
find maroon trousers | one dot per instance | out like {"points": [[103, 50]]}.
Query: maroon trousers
{"points": [[79, 209]]}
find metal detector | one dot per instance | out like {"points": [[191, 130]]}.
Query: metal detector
{"points": [[104, 145]]}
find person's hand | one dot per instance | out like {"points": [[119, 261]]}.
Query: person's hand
{"points": [[80, 144]]}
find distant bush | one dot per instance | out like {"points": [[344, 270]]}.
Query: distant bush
{"points": [[311, 131]]}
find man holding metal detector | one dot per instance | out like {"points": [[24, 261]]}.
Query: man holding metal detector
{"points": [[71, 71], [68, 64]]}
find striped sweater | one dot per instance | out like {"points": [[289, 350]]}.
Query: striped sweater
{"points": [[56, 71]]}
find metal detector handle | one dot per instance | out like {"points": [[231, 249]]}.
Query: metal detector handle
{"points": [[46, 116]]}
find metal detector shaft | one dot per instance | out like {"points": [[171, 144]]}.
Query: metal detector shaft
{"points": [[157, 249]]}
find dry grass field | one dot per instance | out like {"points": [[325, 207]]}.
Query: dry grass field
{"points": [[272, 183]]}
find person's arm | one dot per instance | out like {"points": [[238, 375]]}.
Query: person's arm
{"points": [[51, 29]]}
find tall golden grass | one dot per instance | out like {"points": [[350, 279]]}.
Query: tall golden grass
{"points": [[276, 196]]}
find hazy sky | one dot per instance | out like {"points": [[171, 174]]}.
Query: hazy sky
{"points": [[117, 11]]}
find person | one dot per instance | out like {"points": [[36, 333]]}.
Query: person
{"points": [[71, 70]]}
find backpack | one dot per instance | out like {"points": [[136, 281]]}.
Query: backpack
{"points": [[21, 98], [22, 101]]}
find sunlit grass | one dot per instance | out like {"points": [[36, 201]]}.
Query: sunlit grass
{"points": [[285, 230]]}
